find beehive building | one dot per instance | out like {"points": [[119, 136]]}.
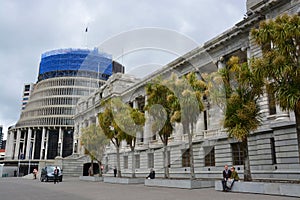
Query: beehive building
{"points": [[45, 127]]}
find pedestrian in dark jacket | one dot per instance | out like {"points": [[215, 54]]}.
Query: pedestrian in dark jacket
{"points": [[226, 176], [56, 172], [151, 174], [115, 172]]}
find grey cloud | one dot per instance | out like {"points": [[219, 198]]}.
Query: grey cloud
{"points": [[29, 28]]}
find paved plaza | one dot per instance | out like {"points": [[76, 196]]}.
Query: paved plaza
{"points": [[73, 189]]}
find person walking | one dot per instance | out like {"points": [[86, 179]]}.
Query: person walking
{"points": [[35, 171], [56, 172]]}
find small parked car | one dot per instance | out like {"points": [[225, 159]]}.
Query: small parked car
{"points": [[47, 174]]}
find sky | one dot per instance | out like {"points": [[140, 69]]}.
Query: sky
{"points": [[30, 28]]}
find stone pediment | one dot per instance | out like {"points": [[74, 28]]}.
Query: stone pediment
{"points": [[118, 83]]}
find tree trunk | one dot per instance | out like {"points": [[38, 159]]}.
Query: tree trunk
{"points": [[133, 164], [92, 167], [190, 138], [166, 167], [247, 171], [118, 162], [100, 171], [297, 116]]}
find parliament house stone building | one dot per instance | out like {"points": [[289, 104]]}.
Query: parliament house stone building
{"points": [[273, 148], [68, 97]]}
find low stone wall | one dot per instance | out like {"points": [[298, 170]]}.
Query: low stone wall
{"points": [[28, 176], [284, 189], [91, 178], [184, 184], [124, 180], [9, 171]]}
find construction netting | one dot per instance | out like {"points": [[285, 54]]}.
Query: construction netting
{"points": [[75, 60]]}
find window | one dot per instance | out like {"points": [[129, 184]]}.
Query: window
{"points": [[23, 134], [154, 136], [125, 162], [137, 161], [273, 151], [205, 119], [130, 104], [27, 88], [237, 154], [271, 100], [140, 103], [186, 158], [142, 137], [209, 156], [150, 160]]}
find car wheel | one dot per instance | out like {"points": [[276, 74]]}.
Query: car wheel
{"points": [[42, 180], [47, 179]]}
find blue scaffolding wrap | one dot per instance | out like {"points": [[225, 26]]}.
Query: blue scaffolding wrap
{"points": [[76, 60]]}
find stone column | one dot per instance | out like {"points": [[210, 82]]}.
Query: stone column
{"points": [[60, 142], [28, 151], [42, 143], [248, 54], [80, 148], [139, 135], [75, 145], [148, 126], [12, 143], [221, 63], [9, 145], [135, 104], [178, 132], [23, 149], [7, 141], [17, 149], [33, 145], [76, 126], [46, 148]]}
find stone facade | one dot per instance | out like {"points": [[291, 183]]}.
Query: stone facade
{"points": [[273, 148]]}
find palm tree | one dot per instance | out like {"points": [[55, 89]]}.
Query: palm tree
{"points": [[130, 121], [189, 91], [111, 130], [94, 142], [162, 106], [242, 115], [280, 63]]}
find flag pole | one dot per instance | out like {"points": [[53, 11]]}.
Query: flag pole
{"points": [[86, 37]]}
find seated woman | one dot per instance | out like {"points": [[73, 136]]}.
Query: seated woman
{"points": [[234, 177], [151, 174]]}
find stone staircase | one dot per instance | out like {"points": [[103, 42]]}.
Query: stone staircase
{"points": [[73, 165]]}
